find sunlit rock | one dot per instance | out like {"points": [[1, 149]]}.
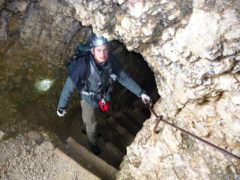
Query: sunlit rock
{"points": [[44, 85], [2, 135], [136, 7]]}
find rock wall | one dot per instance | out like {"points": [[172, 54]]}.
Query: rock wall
{"points": [[193, 49]]}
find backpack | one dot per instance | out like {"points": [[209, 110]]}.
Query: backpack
{"points": [[81, 51], [77, 65]]}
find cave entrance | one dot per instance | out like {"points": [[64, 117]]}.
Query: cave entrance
{"points": [[119, 126]]}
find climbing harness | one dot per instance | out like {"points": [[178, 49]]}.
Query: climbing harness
{"points": [[104, 102], [160, 118]]}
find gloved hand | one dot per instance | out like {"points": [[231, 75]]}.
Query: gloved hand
{"points": [[61, 112], [146, 99], [113, 78]]}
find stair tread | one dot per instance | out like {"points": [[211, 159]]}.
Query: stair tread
{"points": [[77, 168], [109, 152], [91, 161], [112, 131], [112, 125], [108, 149], [136, 115], [120, 129], [127, 122]]}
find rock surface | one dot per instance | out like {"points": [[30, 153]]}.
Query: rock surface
{"points": [[191, 46], [31, 156]]}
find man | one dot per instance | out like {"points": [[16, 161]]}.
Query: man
{"points": [[93, 77]]}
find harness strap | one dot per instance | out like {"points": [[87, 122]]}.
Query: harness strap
{"points": [[88, 93]]}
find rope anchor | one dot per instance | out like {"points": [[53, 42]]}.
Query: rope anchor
{"points": [[160, 118]]}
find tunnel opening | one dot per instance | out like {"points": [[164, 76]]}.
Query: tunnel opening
{"points": [[118, 127]]}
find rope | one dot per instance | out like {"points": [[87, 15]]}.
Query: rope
{"points": [[160, 118]]}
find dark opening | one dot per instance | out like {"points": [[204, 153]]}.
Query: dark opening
{"points": [[120, 124]]}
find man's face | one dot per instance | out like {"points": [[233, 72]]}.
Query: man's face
{"points": [[101, 53]]}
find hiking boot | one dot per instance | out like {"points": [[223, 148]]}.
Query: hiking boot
{"points": [[95, 149], [84, 131]]}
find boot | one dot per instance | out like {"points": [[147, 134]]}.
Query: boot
{"points": [[95, 149]]}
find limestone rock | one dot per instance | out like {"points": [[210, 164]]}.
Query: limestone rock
{"points": [[191, 46], [2, 134]]}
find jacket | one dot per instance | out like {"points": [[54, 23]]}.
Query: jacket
{"points": [[75, 80]]}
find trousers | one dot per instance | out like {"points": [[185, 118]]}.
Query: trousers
{"points": [[89, 121]]}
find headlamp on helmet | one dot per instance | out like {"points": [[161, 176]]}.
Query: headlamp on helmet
{"points": [[98, 41]]}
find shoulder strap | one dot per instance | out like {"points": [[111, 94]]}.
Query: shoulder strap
{"points": [[87, 69]]}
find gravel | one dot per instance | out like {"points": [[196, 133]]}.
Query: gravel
{"points": [[30, 156]]}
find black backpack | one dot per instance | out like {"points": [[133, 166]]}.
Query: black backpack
{"points": [[82, 50], [77, 66]]}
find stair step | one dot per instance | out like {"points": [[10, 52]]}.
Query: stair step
{"points": [[90, 161], [120, 130], [136, 115], [109, 153], [116, 134], [127, 122], [79, 172]]}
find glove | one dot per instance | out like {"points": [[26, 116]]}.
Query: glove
{"points": [[113, 78], [146, 99], [61, 112]]}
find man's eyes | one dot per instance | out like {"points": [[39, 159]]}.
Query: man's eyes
{"points": [[105, 50]]}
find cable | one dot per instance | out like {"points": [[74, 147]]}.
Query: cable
{"points": [[160, 118]]}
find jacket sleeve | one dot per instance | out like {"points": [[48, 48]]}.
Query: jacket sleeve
{"points": [[66, 93], [124, 79]]}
